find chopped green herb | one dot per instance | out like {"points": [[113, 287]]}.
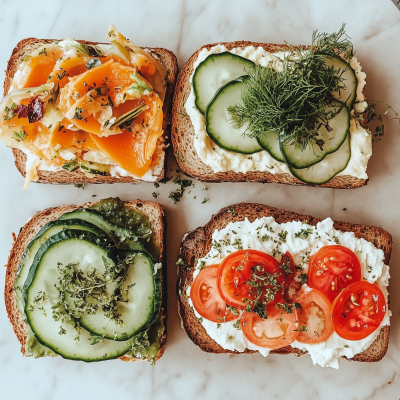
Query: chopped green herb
{"points": [[156, 185], [293, 100], [19, 136], [180, 158], [304, 233], [155, 195], [78, 112], [80, 186], [93, 62], [204, 201]]}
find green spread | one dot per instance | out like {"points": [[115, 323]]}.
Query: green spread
{"points": [[113, 209], [147, 343]]}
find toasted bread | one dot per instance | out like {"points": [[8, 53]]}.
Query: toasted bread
{"points": [[26, 46], [197, 244], [154, 211], [182, 136]]}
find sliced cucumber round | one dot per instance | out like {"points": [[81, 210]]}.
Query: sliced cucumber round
{"points": [[348, 80], [325, 170], [66, 247], [47, 231], [124, 238], [219, 124], [329, 139], [136, 314], [214, 72], [270, 141]]}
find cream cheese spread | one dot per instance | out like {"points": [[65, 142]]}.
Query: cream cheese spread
{"points": [[221, 160], [252, 235]]}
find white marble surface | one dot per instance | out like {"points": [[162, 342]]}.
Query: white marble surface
{"points": [[184, 371]]}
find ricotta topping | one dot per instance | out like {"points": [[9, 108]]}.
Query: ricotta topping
{"points": [[223, 160], [263, 235]]}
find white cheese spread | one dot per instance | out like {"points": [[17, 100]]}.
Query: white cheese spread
{"points": [[253, 235], [221, 160]]}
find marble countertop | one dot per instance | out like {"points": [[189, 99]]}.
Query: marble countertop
{"points": [[185, 372]]}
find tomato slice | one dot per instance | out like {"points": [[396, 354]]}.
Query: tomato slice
{"points": [[254, 267], [206, 298], [315, 321], [358, 310], [332, 269], [278, 330]]}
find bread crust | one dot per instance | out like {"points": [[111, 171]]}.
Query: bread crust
{"points": [[153, 210], [182, 136], [197, 243], [26, 46]]}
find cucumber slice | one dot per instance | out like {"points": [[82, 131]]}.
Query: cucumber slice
{"points": [[270, 141], [47, 231], [325, 170], [71, 246], [95, 168], [140, 290], [214, 72], [124, 238], [219, 124], [349, 80], [332, 140]]}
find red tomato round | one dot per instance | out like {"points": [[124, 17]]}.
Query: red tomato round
{"points": [[358, 310], [206, 298], [315, 321], [278, 330], [332, 269], [256, 267]]}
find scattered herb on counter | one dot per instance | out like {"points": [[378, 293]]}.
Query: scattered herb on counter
{"points": [[156, 185], [204, 201], [94, 195], [155, 195], [344, 209], [80, 186]]}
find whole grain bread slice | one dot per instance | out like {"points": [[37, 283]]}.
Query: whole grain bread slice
{"points": [[27, 46], [197, 243], [154, 211], [182, 136]]}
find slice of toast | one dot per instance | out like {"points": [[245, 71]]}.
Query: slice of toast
{"points": [[27, 46], [197, 244], [154, 211], [182, 136]]}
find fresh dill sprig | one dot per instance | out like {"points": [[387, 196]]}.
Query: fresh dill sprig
{"points": [[293, 101]]}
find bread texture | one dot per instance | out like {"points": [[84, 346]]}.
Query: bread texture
{"points": [[197, 244], [182, 136], [27, 46], [154, 211]]}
